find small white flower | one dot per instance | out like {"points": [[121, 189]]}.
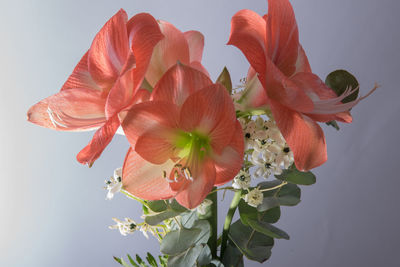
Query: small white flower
{"points": [[202, 208], [125, 227], [242, 180], [114, 185], [254, 197], [144, 228]]}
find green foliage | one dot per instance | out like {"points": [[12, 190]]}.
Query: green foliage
{"points": [[338, 81], [151, 261], [254, 245], [333, 124], [225, 79], [287, 195], [233, 257], [178, 241], [294, 176], [247, 212], [162, 210], [188, 246]]}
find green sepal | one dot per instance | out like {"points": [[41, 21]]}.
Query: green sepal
{"points": [[225, 79]]}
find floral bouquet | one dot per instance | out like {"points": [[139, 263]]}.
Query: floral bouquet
{"points": [[189, 135]]}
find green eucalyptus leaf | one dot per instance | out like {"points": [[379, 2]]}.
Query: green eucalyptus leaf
{"points": [[188, 219], [216, 263], [287, 195], [187, 258], [232, 257], [205, 256], [157, 205], [295, 176], [225, 79], [174, 205], [156, 219], [178, 241], [339, 81], [254, 245], [268, 184], [268, 203], [270, 215], [267, 229]]}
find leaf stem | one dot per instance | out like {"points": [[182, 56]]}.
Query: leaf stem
{"points": [[275, 187], [126, 193], [228, 220], [213, 220]]}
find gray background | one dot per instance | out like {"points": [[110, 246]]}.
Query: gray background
{"points": [[53, 210]]}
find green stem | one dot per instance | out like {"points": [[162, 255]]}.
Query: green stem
{"points": [[228, 220], [213, 220]]}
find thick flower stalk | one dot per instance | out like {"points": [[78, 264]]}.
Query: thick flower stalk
{"points": [[185, 141], [280, 78]]}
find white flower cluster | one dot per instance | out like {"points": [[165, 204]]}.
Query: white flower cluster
{"points": [[254, 197], [266, 147], [125, 227], [242, 180], [114, 185]]}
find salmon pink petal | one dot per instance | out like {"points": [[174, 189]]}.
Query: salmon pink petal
{"points": [[282, 36], [302, 64], [144, 179], [254, 95], [210, 111], [304, 137], [142, 95], [229, 162], [248, 33], [198, 66], [173, 48], [70, 110], [144, 34], [80, 77], [178, 83], [120, 95], [313, 86], [341, 116], [109, 51], [102, 137], [157, 145], [195, 192], [156, 116], [195, 41], [284, 90]]}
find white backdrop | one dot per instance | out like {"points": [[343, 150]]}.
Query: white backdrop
{"points": [[54, 211]]}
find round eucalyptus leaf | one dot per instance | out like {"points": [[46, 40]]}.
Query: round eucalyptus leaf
{"points": [[339, 80]]}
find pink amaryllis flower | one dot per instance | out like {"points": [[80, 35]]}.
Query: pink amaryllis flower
{"points": [[109, 76], [106, 80], [184, 141], [280, 77]]}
